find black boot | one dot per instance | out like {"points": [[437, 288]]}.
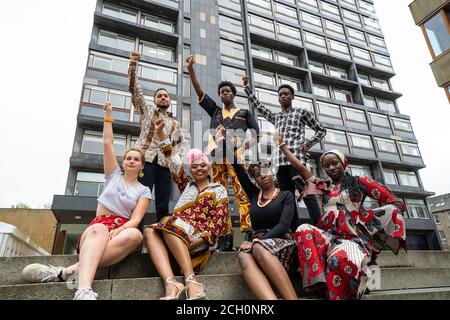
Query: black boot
{"points": [[226, 245]]}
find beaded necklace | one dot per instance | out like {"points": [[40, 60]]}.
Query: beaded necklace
{"points": [[269, 200]]}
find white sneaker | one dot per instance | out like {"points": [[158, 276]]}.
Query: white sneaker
{"points": [[85, 294], [36, 273]]}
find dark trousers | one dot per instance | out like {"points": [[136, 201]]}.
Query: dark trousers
{"points": [[158, 176], [285, 177]]}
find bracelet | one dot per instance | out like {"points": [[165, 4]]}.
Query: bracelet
{"points": [[108, 120], [283, 144]]}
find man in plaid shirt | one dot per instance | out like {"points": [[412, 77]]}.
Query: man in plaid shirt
{"points": [[290, 123]]}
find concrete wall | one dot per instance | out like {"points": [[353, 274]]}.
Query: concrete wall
{"points": [[40, 225], [441, 69], [422, 9]]}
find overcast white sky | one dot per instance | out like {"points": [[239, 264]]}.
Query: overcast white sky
{"points": [[42, 64]]}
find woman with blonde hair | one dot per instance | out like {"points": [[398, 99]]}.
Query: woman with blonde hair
{"points": [[195, 225], [113, 234]]}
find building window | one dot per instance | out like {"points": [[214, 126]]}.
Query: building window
{"points": [[119, 12], [157, 23], [89, 184], [335, 29], [169, 3], [157, 51], [360, 171], [386, 145], [376, 42], [380, 84], [294, 83], [315, 41], [99, 95], [356, 36], [383, 62], [390, 177], [417, 209], [442, 235], [311, 21], [264, 77], [108, 62], [285, 12], [408, 179], [234, 5], [361, 141], [329, 110], [262, 52], [232, 52], [329, 9], [336, 137], [187, 29], [339, 48], [269, 97], [310, 4], [438, 33], [351, 18], [233, 75], [379, 120], [287, 58], [370, 102], [362, 56], [342, 95], [317, 66], [355, 115], [403, 125], [364, 80], [186, 118], [262, 26], [158, 73], [366, 7], [230, 28], [371, 24], [288, 33], [337, 72], [93, 143], [116, 41], [303, 103], [261, 6], [409, 149], [321, 90], [386, 105]]}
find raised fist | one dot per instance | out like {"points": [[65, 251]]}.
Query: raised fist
{"points": [[190, 61], [159, 125], [135, 56], [245, 81], [108, 110]]}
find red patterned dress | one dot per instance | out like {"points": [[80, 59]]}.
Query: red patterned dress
{"points": [[348, 237]]}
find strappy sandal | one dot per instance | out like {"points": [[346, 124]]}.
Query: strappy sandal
{"points": [[179, 286], [199, 296]]}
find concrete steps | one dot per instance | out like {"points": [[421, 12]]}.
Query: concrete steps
{"points": [[415, 275]]}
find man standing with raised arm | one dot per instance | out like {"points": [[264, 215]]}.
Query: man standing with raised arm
{"points": [[236, 121], [291, 123], [156, 171]]}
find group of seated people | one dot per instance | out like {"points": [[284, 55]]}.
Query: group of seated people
{"points": [[332, 254]]}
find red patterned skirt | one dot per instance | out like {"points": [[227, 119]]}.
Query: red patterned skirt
{"points": [[111, 222]]}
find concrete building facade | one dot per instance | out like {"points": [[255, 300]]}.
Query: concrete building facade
{"points": [[440, 208], [332, 52], [433, 17]]}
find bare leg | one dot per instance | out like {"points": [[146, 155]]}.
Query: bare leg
{"points": [[255, 278], [93, 246], [273, 268], [160, 257], [181, 253], [117, 249]]}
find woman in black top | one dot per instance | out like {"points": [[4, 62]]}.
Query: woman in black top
{"points": [[274, 219]]}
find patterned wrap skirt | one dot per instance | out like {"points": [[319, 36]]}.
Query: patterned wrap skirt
{"points": [[111, 222], [284, 248], [200, 256]]}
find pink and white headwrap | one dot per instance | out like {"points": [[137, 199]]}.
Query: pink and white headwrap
{"points": [[339, 154], [195, 154]]}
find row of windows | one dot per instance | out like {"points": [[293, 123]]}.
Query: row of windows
{"points": [[289, 13], [120, 65], [142, 18], [146, 48], [312, 41], [398, 177]]}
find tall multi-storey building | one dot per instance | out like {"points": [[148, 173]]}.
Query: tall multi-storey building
{"points": [[332, 52], [433, 16]]}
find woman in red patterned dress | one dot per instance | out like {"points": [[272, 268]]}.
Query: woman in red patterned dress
{"points": [[334, 256]]}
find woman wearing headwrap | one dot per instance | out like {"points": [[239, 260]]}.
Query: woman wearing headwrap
{"points": [[197, 220], [334, 256]]}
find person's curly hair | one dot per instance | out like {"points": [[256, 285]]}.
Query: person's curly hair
{"points": [[259, 164], [226, 84]]}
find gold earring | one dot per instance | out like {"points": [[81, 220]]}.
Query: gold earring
{"points": [[141, 174]]}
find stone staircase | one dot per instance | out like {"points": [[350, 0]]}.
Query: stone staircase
{"points": [[415, 275]]}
